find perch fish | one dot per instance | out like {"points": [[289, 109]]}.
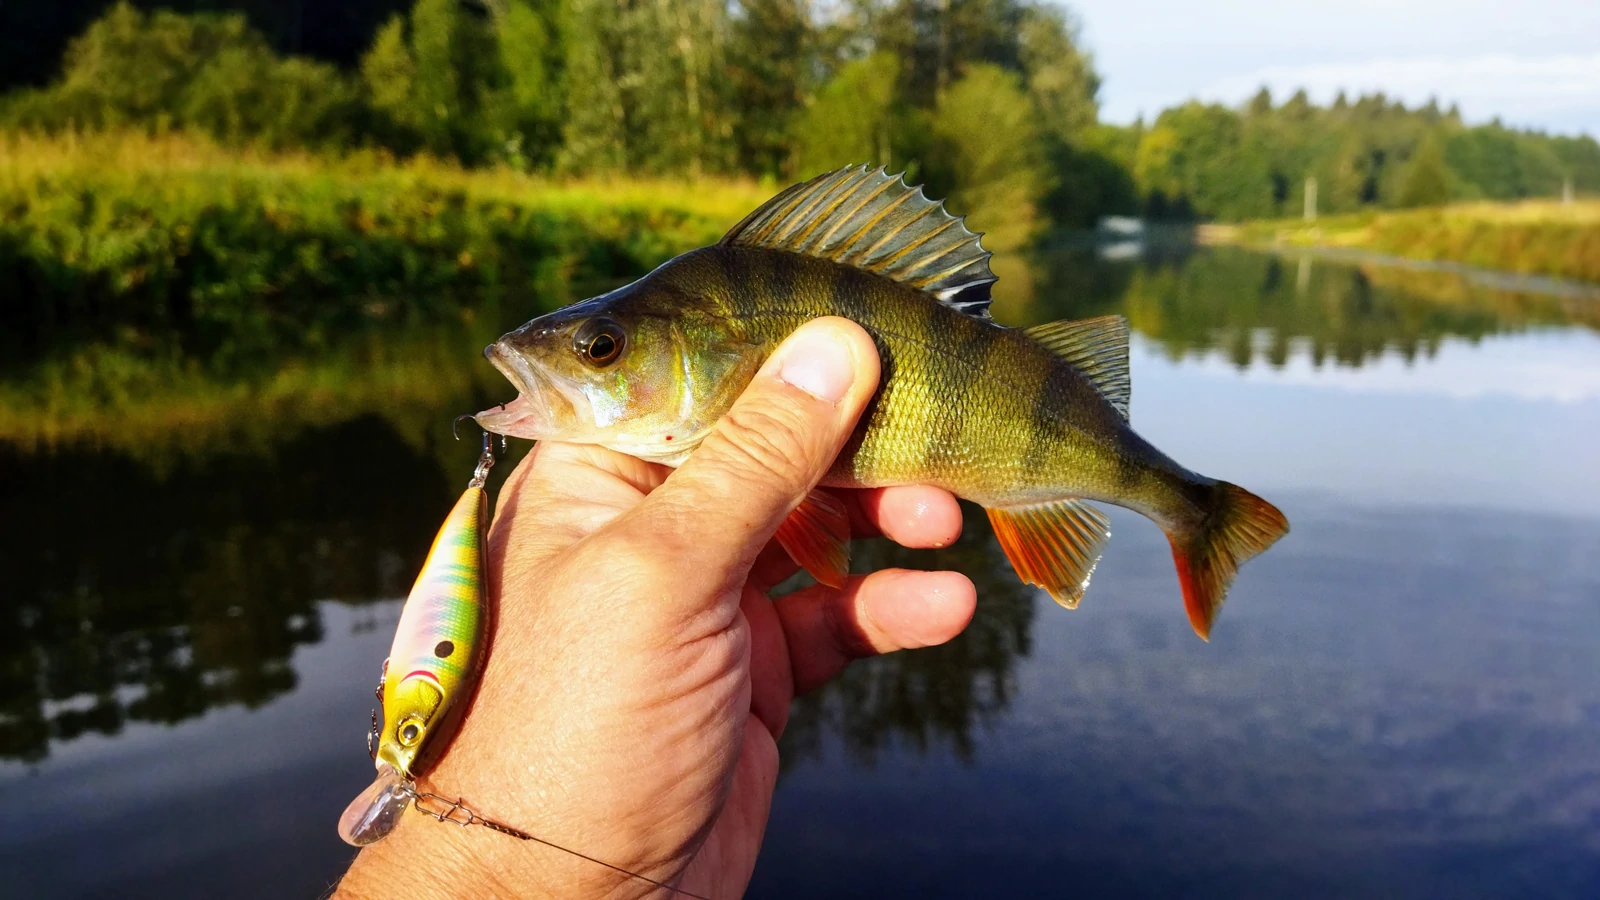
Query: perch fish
{"points": [[1031, 424]]}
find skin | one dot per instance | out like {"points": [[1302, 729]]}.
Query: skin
{"points": [[641, 674]]}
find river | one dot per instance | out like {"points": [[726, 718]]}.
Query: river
{"points": [[201, 563]]}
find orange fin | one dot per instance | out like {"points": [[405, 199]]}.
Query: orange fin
{"points": [[1238, 526], [817, 536], [1053, 545]]}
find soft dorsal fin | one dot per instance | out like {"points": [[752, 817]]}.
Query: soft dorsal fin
{"points": [[862, 217], [1096, 347]]}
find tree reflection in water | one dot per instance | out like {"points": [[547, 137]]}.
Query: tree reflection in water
{"points": [[143, 598], [918, 699]]}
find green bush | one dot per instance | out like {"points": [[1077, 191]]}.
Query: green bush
{"points": [[211, 73]]}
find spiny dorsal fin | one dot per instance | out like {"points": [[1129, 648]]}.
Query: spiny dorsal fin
{"points": [[862, 217], [1053, 545], [1096, 347]]}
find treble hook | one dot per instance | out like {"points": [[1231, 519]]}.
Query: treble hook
{"points": [[486, 458], [487, 434]]}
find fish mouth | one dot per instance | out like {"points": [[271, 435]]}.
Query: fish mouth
{"points": [[529, 415]]}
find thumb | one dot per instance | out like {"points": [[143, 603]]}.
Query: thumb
{"points": [[770, 450]]}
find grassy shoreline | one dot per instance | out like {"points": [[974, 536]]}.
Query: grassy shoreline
{"points": [[146, 232], [1536, 237]]}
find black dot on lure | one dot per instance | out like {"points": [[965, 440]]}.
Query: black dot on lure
{"points": [[443, 649]]}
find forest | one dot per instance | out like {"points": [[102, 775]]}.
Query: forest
{"points": [[992, 103]]}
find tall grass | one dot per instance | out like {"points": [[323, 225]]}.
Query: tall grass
{"points": [[1536, 237], [151, 231]]}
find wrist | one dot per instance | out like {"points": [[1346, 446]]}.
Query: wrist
{"points": [[423, 859]]}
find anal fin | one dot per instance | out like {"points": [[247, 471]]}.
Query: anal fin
{"points": [[817, 536], [1053, 545]]}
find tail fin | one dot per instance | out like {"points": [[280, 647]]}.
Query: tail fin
{"points": [[1239, 526]]}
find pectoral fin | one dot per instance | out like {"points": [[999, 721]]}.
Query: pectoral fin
{"points": [[1053, 545], [817, 536]]}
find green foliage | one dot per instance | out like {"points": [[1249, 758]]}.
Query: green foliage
{"points": [[1427, 178], [1533, 237], [984, 154], [784, 89], [939, 39], [851, 120], [771, 87], [228, 250], [644, 88], [1061, 78], [1217, 163], [1196, 161], [389, 76], [210, 73]]}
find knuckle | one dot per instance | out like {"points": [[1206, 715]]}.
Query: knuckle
{"points": [[766, 442]]}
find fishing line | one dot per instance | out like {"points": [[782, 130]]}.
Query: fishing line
{"points": [[448, 814]]}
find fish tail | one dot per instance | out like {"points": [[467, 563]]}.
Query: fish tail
{"points": [[1237, 526]]}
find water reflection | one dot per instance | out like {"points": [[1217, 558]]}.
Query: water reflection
{"points": [[935, 697], [151, 595], [1253, 305]]}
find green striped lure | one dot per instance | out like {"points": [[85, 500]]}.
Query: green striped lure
{"points": [[439, 648]]}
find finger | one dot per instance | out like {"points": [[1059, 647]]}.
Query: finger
{"points": [[895, 609], [716, 512], [911, 515], [772, 567], [771, 676]]}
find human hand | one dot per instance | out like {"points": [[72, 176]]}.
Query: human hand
{"points": [[640, 675]]}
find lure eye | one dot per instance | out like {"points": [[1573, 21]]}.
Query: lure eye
{"points": [[410, 732], [600, 342]]}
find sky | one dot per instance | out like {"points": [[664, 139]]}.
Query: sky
{"points": [[1533, 63]]}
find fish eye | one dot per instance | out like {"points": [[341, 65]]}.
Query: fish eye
{"points": [[600, 342]]}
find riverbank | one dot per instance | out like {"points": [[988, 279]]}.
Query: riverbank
{"points": [[124, 231], [1536, 237]]}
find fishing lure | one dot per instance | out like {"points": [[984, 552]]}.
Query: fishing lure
{"points": [[440, 648]]}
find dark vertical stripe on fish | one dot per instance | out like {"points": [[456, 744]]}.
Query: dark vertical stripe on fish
{"points": [[1043, 435], [954, 386], [731, 270]]}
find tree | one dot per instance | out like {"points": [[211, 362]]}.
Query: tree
{"points": [[388, 75], [1060, 77], [1427, 179], [527, 110], [851, 120], [985, 155], [594, 135], [769, 88], [642, 95]]}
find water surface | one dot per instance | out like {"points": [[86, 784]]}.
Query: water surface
{"points": [[1402, 699]]}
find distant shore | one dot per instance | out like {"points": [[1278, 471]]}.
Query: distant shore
{"points": [[1539, 238]]}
